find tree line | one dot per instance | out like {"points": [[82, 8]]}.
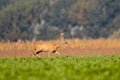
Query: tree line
{"points": [[46, 19]]}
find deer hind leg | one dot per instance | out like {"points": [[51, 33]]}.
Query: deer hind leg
{"points": [[35, 53]]}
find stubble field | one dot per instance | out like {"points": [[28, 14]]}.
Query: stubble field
{"points": [[74, 47]]}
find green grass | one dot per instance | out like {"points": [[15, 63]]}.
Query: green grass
{"points": [[61, 68]]}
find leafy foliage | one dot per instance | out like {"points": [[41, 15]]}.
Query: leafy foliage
{"points": [[45, 19], [68, 68]]}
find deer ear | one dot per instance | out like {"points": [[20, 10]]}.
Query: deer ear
{"points": [[62, 36]]}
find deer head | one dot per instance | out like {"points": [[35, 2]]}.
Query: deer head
{"points": [[62, 39]]}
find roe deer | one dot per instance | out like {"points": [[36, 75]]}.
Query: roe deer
{"points": [[49, 47]]}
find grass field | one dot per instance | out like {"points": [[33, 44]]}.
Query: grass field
{"points": [[97, 67]]}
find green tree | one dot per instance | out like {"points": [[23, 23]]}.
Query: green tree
{"points": [[45, 19], [95, 16], [3, 3]]}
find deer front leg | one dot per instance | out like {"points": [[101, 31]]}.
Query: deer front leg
{"points": [[56, 52]]}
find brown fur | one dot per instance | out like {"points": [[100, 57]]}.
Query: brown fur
{"points": [[50, 46]]}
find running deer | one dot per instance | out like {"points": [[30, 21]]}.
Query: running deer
{"points": [[49, 47]]}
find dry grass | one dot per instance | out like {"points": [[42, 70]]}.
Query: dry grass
{"points": [[20, 45], [95, 43], [72, 43]]}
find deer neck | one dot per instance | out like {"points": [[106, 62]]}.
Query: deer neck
{"points": [[58, 44]]}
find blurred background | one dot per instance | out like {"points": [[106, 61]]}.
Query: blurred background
{"points": [[46, 19]]}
